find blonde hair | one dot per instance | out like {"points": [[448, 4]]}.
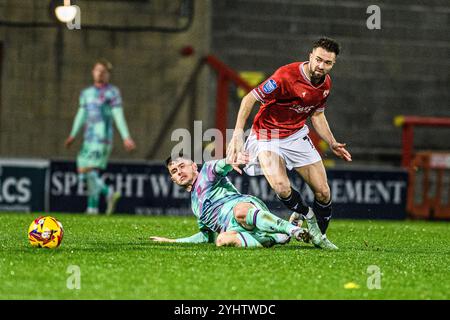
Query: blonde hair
{"points": [[108, 65]]}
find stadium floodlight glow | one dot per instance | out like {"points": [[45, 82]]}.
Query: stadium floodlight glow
{"points": [[66, 13]]}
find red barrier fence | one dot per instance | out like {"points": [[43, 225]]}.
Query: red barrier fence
{"points": [[408, 123], [429, 186]]}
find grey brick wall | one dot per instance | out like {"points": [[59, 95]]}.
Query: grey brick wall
{"points": [[404, 68]]}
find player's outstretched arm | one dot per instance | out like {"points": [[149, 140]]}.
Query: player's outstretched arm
{"points": [[161, 239], [237, 141], [119, 119], [223, 167], [340, 151], [320, 123], [79, 121], [242, 159]]}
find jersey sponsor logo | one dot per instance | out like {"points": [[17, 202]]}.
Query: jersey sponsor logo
{"points": [[269, 86], [300, 109]]}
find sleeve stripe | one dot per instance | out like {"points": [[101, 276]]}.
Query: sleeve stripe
{"points": [[243, 238], [261, 93]]}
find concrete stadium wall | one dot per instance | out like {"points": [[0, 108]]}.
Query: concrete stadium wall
{"points": [[44, 69], [403, 68]]}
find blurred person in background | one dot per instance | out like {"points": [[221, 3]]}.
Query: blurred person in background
{"points": [[99, 104]]}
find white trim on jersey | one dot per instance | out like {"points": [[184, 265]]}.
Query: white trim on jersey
{"points": [[256, 95]]}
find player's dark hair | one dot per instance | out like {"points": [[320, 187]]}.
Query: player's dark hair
{"points": [[104, 62], [328, 44]]}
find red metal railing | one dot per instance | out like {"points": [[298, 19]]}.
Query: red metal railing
{"points": [[429, 186], [225, 75]]}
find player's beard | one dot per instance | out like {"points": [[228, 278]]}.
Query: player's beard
{"points": [[318, 77]]}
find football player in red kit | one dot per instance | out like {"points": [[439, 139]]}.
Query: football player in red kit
{"points": [[279, 136]]}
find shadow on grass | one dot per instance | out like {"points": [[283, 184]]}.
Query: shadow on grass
{"points": [[170, 247], [147, 245]]}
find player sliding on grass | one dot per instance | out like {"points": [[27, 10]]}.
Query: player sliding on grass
{"points": [[241, 220]]}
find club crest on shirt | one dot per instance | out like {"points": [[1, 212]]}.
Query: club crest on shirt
{"points": [[269, 86], [325, 93]]}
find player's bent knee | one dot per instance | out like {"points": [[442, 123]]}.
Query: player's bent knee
{"points": [[220, 242], [241, 210], [282, 189], [240, 215], [230, 239], [323, 194], [228, 243]]}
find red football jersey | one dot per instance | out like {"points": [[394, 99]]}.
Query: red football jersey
{"points": [[288, 98]]}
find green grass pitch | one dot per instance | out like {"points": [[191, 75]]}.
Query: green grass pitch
{"points": [[117, 261]]}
